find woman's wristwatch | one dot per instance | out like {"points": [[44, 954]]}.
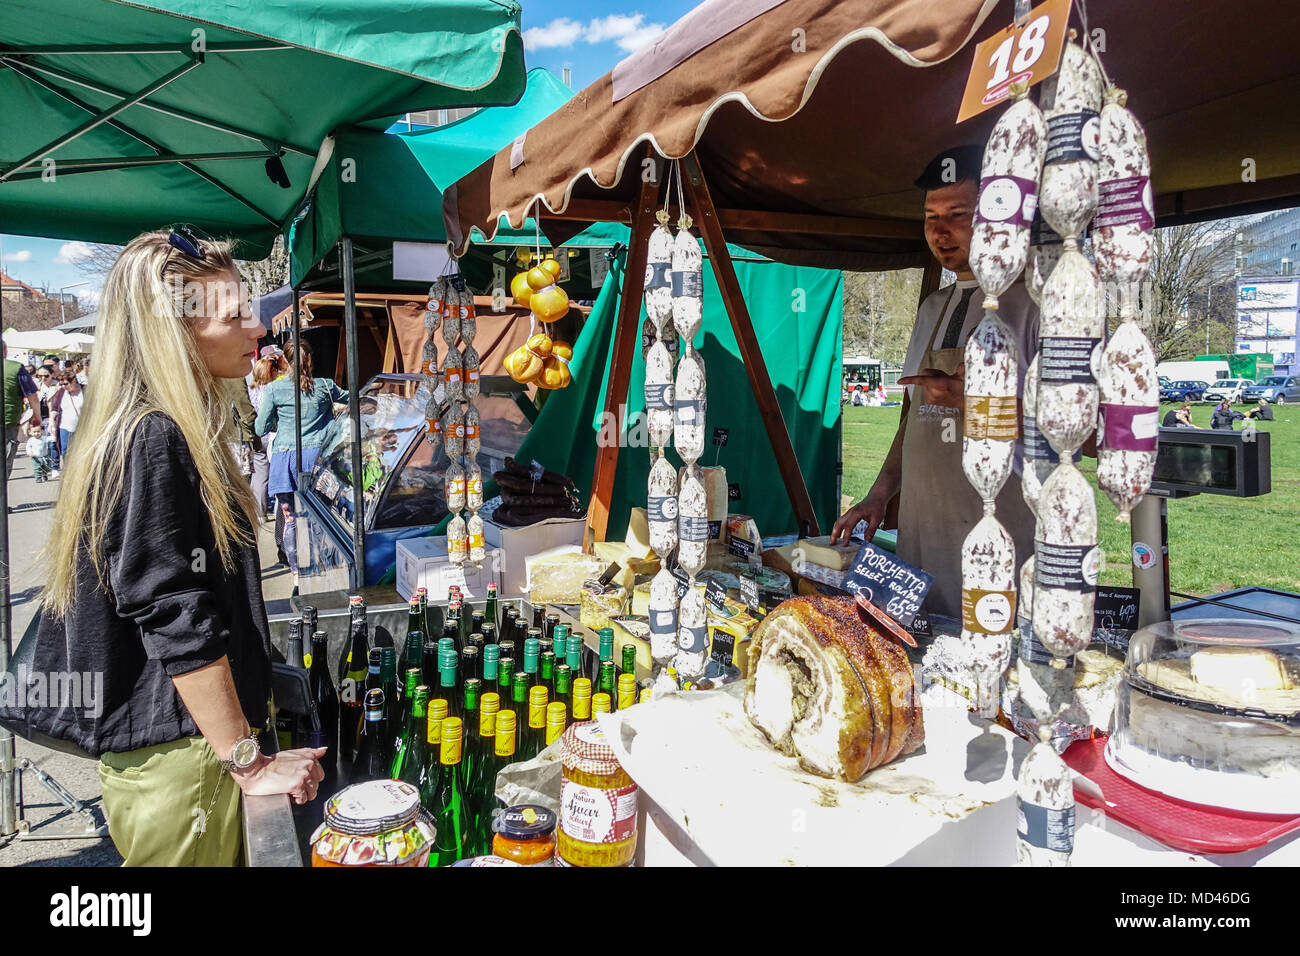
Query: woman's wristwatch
{"points": [[243, 755]]}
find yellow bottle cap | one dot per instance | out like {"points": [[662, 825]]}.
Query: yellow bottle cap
{"points": [[600, 703], [450, 752]]}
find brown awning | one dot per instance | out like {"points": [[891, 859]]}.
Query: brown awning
{"points": [[787, 137]]}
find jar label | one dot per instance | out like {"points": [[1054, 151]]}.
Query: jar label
{"points": [[1044, 827], [592, 815]]}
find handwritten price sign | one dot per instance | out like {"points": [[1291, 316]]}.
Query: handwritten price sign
{"points": [[892, 585]]}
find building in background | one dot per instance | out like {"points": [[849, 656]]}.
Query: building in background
{"points": [[1267, 307], [1270, 246], [16, 289]]}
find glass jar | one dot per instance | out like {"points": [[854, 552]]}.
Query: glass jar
{"points": [[525, 835], [598, 802], [376, 823]]}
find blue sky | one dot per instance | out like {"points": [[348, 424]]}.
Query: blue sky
{"points": [[588, 36]]}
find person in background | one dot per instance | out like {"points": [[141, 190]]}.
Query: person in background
{"points": [[1224, 416], [46, 387], [1180, 417], [38, 450], [51, 362], [317, 398], [65, 407], [937, 506], [83, 372], [1263, 412], [19, 389]]}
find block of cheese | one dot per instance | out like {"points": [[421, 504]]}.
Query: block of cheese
{"points": [[745, 528], [1238, 669], [617, 552], [601, 603], [638, 535], [821, 552], [729, 632], [557, 578], [715, 490]]}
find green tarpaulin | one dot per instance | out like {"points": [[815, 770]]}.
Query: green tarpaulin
{"points": [[379, 187], [797, 317], [226, 85]]}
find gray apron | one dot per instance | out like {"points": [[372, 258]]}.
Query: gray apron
{"points": [[937, 506]]}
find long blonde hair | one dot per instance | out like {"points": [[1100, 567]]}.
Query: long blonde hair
{"points": [[143, 327]]}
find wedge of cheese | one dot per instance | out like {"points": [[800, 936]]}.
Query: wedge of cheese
{"points": [[638, 535], [821, 552], [1239, 670], [558, 578]]}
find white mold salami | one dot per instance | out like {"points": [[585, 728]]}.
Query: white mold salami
{"points": [[1129, 418], [1036, 463], [1066, 562], [475, 547], [663, 616], [692, 635], [1068, 196], [433, 310], [1008, 198], [1121, 233], [473, 437], [687, 283], [992, 423], [453, 431], [692, 519], [457, 540], [658, 280], [473, 485], [689, 407], [450, 318], [1044, 254], [429, 359], [1044, 807], [661, 506], [1070, 345], [465, 312], [988, 579], [659, 394], [455, 485]]}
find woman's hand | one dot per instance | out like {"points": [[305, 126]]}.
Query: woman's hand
{"points": [[295, 772]]}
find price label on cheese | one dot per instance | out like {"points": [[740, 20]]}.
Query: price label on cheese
{"points": [[1028, 51], [892, 585], [740, 547], [749, 592], [715, 595], [1115, 616]]}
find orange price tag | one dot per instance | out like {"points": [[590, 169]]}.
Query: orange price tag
{"points": [[1029, 50]]}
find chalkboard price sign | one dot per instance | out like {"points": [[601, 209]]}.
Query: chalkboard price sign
{"points": [[740, 547], [749, 592], [715, 594], [720, 436], [892, 585], [1115, 616], [733, 491]]}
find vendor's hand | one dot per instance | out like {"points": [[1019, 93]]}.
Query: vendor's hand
{"points": [[939, 388], [870, 509], [295, 772]]}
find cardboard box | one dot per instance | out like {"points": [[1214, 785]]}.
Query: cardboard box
{"points": [[517, 544], [422, 562]]}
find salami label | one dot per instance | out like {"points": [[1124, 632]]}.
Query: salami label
{"points": [[1038, 448], [476, 541], [987, 612], [1123, 201], [471, 432], [456, 488], [1068, 361], [456, 431], [659, 397], [991, 416], [1045, 827], [661, 509], [663, 623], [592, 815], [689, 411], [692, 529], [656, 275], [692, 639], [1009, 199], [430, 368], [471, 375], [457, 545], [1070, 567], [1032, 650], [1072, 136], [1129, 427], [688, 284], [1041, 234], [453, 376]]}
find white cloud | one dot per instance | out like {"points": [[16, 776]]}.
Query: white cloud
{"points": [[629, 30], [22, 255], [69, 252], [557, 33]]}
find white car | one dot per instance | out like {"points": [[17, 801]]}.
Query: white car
{"points": [[1229, 388]]}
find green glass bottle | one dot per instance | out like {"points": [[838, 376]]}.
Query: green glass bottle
{"points": [[412, 652], [406, 716], [505, 679], [573, 657], [519, 688], [411, 759], [352, 681], [629, 659], [469, 663], [429, 664], [432, 773], [507, 650], [472, 688], [546, 672], [414, 615], [451, 624], [464, 625], [608, 684], [448, 808], [606, 645], [485, 779], [483, 742], [388, 683], [564, 686], [448, 684], [490, 613]]}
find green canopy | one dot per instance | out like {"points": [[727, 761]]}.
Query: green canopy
{"points": [[796, 313], [379, 188], [125, 116]]}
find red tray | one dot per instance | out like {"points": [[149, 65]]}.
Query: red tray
{"points": [[1175, 823]]}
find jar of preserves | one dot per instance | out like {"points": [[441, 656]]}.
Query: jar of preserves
{"points": [[376, 823], [525, 835], [598, 802]]}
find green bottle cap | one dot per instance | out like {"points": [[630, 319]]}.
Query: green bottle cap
{"points": [[505, 672], [412, 679], [606, 643], [491, 658], [446, 644], [548, 665], [575, 652], [629, 658], [519, 688], [388, 664], [532, 648], [472, 687]]}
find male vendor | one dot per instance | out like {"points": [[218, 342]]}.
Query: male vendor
{"points": [[937, 505]]}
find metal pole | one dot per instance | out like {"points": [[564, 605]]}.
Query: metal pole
{"points": [[1150, 527], [358, 570], [8, 779]]}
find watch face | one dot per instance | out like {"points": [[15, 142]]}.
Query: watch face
{"points": [[245, 753]]}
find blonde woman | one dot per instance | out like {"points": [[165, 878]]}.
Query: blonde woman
{"points": [[154, 578]]}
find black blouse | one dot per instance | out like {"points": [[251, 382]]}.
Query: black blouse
{"points": [[170, 607]]}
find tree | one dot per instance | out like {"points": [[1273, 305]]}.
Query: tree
{"points": [[1190, 300], [879, 309]]}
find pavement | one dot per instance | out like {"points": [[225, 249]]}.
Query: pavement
{"points": [[56, 835]]}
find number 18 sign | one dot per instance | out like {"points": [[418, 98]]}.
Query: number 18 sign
{"points": [[1029, 51]]}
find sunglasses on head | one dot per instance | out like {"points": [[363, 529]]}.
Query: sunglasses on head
{"points": [[188, 240]]}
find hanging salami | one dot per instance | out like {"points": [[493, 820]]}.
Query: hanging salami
{"points": [[1121, 233], [1066, 562], [1129, 418]]}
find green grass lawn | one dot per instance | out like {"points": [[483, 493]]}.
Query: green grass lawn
{"points": [[1215, 542]]}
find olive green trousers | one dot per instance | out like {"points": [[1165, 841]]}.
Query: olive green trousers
{"points": [[172, 805]]}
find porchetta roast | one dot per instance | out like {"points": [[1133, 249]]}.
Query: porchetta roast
{"points": [[825, 686]]}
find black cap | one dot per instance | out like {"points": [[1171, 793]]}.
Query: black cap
{"points": [[954, 165]]}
